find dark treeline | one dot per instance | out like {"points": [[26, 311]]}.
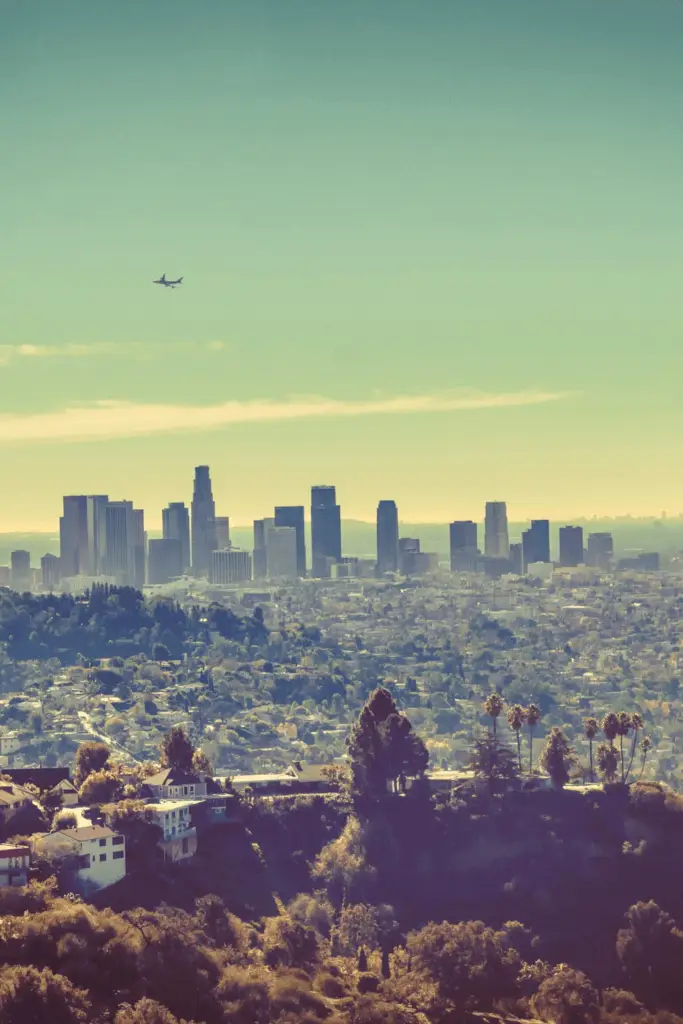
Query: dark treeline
{"points": [[111, 621]]}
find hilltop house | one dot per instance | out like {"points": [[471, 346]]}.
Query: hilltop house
{"points": [[99, 852], [174, 818], [12, 799], [14, 864], [171, 784]]}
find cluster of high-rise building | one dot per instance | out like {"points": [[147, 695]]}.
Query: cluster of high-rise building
{"points": [[105, 539]]}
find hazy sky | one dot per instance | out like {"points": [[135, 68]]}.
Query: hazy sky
{"points": [[432, 251]]}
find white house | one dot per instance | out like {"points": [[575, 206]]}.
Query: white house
{"points": [[174, 818], [10, 742], [171, 784], [100, 853], [14, 864], [12, 799]]}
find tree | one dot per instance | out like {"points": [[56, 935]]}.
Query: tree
{"points": [[99, 788], [558, 757], [645, 745], [610, 727], [566, 997], [607, 761], [623, 729], [533, 717], [383, 748], [201, 763], [637, 726], [494, 762], [40, 996], [176, 750], [516, 718], [650, 949], [145, 1011], [590, 729], [493, 706], [90, 757]]}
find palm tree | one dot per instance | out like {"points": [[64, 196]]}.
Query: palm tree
{"points": [[645, 745], [516, 718], [590, 728], [493, 707], [607, 761], [623, 729], [533, 716], [610, 727], [557, 758], [636, 725]]}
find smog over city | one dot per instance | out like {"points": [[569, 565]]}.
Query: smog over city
{"points": [[341, 532]]}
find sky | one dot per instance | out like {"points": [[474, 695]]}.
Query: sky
{"points": [[431, 251]]}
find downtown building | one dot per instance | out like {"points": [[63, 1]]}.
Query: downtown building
{"points": [[164, 560], [496, 537], [230, 566], [203, 523], [571, 546], [125, 553], [293, 516], [325, 530], [387, 537], [464, 546], [175, 520], [536, 543]]}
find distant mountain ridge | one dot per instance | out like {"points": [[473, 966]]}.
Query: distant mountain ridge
{"points": [[359, 538]]}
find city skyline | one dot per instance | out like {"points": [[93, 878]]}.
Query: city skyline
{"points": [[410, 236]]}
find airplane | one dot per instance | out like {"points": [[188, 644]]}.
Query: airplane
{"points": [[168, 284]]}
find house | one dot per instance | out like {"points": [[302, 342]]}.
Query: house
{"points": [[311, 777], [14, 864], [171, 784], [174, 818], [10, 742], [12, 799], [68, 792], [41, 778], [99, 852]]}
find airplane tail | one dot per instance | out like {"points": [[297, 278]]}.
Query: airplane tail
{"points": [[180, 279]]}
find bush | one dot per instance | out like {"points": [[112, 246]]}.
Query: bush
{"points": [[367, 983]]}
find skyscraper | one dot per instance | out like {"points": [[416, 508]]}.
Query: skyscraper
{"points": [[231, 566], [281, 553], [49, 565], [293, 515], [496, 540], [73, 536], [261, 527], [571, 545], [387, 537], [96, 505], [176, 526], [464, 549], [222, 533], [164, 560], [122, 533], [139, 549], [536, 542], [600, 550], [20, 564], [325, 530], [203, 522]]}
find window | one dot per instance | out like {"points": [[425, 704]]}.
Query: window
{"points": [[84, 861], [103, 842], [184, 790], [186, 845], [103, 856], [117, 841], [118, 855]]}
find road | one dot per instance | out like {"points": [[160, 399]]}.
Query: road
{"points": [[115, 747]]}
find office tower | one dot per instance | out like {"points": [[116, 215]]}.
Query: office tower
{"points": [[325, 530], [95, 510], [49, 566], [571, 545], [124, 537], [261, 526], [20, 565], [164, 560], [176, 526], [464, 549], [600, 550], [496, 540], [281, 553], [408, 555], [222, 533], [73, 536], [139, 549], [232, 566], [516, 559], [536, 543], [387, 537], [203, 522], [293, 515]]}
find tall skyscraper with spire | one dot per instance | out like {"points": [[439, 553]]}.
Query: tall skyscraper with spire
{"points": [[387, 537], [203, 523], [496, 538]]}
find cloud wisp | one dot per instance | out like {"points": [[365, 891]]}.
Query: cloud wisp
{"points": [[126, 350], [109, 420]]}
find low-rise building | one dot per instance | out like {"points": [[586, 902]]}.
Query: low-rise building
{"points": [[12, 799], [99, 854], [175, 819], [171, 784], [14, 864]]}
